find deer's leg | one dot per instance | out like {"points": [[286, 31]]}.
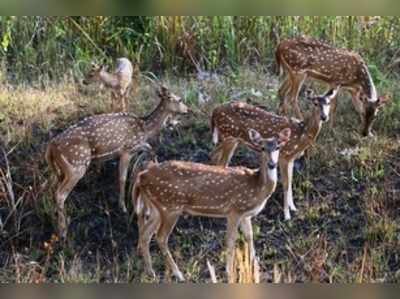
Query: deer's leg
{"points": [[146, 232], [286, 170], [283, 93], [124, 108], [357, 103], [292, 207], [223, 153], [333, 112], [360, 108], [231, 236], [123, 172], [113, 99], [71, 178], [285, 86], [167, 225], [124, 96], [247, 230], [297, 82]]}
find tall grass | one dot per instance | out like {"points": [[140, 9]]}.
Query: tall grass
{"points": [[39, 48]]}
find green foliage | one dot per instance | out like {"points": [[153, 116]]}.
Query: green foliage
{"points": [[37, 48]]}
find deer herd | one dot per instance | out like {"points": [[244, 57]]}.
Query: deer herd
{"points": [[162, 192]]}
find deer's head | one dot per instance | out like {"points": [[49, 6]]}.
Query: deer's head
{"points": [[173, 103], [368, 112], [270, 146], [323, 102], [94, 73]]}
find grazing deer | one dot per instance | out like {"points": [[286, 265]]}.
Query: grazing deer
{"points": [[103, 137], [234, 119], [163, 192], [306, 57], [119, 81]]}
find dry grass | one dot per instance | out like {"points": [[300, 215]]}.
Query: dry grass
{"points": [[347, 228]]}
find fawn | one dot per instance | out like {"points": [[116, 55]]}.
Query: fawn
{"points": [[102, 137], [120, 81], [234, 119], [305, 57], [163, 192]]}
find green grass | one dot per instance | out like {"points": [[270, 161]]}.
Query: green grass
{"points": [[45, 49], [347, 228]]}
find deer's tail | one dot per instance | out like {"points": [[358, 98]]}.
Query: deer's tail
{"points": [[141, 206], [51, 159], [137, 199], [214, 129]]}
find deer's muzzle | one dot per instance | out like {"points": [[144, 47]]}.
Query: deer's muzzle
{"points": [[271, 165]]}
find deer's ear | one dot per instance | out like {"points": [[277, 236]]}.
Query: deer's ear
{"points": [[254, 136], [94, 65], [163, 89], [332, 93], [284, 136]]}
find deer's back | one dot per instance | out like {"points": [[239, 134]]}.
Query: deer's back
{"points": [[124, 71], [187, 184], [322, 61], [102, 135], [237, 118]]}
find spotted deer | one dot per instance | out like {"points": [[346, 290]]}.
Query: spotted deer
{"points": [[163, 192], [234, 119], [102, 137], [120, 81], [306, 57]]}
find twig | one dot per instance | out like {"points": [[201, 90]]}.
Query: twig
{"points": [[361, 274], [86, 35], [211, 269]]}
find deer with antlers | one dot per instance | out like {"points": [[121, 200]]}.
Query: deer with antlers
{"points": [[234, 119], [103, 137], [305, 57], [163, 192], [120, 81]]}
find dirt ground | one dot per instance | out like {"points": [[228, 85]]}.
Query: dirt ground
{"points": [[347, 228]]}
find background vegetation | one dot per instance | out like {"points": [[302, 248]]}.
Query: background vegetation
{"points": [[39, 48], [348, 225]]}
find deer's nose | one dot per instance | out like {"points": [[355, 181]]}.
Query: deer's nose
{"points": [[186, 109], [271, 165]]}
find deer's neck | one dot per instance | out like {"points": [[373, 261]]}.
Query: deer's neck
{"points": [[108, 79], [156, 119], [267, 178], [312, 126], [368, 85]]}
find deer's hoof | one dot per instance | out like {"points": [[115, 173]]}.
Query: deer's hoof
{"points": [[151, 274], [179, 276], [123, 208]]}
